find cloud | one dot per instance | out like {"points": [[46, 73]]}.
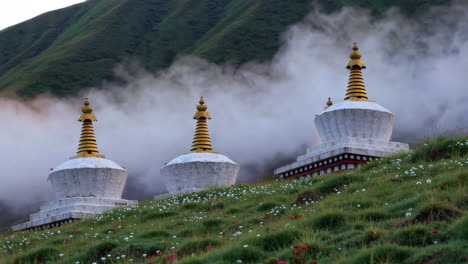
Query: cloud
{"points": [[262, 112]]}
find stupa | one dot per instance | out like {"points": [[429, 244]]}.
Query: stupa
{"points": [[85, 185], [353, 132], [201, 168]]}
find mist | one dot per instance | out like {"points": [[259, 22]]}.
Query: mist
{"points": [[262, 112]]}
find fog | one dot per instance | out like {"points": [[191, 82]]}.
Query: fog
{"points": [[262, 112]]}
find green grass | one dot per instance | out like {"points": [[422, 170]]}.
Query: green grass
{"points": [[64, 51], [410, 208]]}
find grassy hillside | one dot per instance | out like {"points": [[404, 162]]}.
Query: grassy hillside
{"points": [[76, 47], [404, 209]]}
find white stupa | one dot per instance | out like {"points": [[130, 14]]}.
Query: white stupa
{"points": [[201, 168], [85, 185], [353, 132]]}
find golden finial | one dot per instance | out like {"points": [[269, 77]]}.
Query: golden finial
{"points": [[356, 90], [329, 103], [202, 140], [88, 145]]}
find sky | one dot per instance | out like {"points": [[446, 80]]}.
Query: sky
{"points": [[14, 12]]}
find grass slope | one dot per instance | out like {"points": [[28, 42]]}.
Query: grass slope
{"points": [[73, 48], [409, 208]]}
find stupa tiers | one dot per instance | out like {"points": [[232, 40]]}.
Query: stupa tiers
{"points": [[86, 185], [353, 132], [201, 168]]}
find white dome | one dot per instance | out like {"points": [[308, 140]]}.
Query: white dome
{"points": [[359, 119], [356, 105], [200, 157], [82, 163]]}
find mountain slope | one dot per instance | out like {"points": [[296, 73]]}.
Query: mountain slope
{"points": [[76, 47], [410, 208]]}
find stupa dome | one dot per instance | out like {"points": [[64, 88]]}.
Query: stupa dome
{"points": [[361, 119]]}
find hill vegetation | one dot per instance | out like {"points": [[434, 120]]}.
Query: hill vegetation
{"points": [[409, 208], [73, 48]]}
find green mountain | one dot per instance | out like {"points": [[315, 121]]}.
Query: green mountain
{"points": [[69, 49], [408, 209]]}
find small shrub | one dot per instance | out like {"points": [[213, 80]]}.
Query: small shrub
{"points": [[278, 240], [231, 255], [212, 225], [460, 229], [140, 247], [328, 220], [374, 215], [266, 206], [154, 234], [156, 215], [336, 182], [43, 255], [414, 236], [307, 197], [382, 254], [192, 246], [435, 212]]}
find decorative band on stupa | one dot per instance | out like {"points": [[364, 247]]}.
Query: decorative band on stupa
{"points": [[356, 90], [202, 140], [88, 145]]}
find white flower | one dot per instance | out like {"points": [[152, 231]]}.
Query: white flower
{"points": [[358, 205], [246, 246], [428, 181], [408, 214], [61, 255], [103, 258], [418, 182]]}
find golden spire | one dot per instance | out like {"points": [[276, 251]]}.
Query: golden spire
{"points": [[201, 140], [356, 89], [88, 146], [329, 103]]}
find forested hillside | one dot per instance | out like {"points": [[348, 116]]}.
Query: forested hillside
{"points": [[69, 49]]}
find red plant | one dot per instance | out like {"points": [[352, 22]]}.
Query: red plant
{"points": [[304, 247], [152, 262], [206, 235], [445, 182], [297, 247], [159, 255], [314, 262], [281, 262], [149, 256], [266, 217], [172, 257], [297, 252], [454, 186], [298, 258], [74, 228], [297, 216], [435, 232], [209, 247]]}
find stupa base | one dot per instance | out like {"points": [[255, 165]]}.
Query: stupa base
{"points": [[64, 211], [348, 153]]}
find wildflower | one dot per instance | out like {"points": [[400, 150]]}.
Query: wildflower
{"points": [[281, 262], [266, 217], [428, 181], [159, 255], [208, 247], [418, 182], [298, 258], [172, 257], [152, 262], [314, 262], [408, 214], [246, 246], [103, 258], [297, 216], [446, 182], [358, 206], [435, 232], [206, 235], [297, 252], [304, 247], [454, 186]]}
